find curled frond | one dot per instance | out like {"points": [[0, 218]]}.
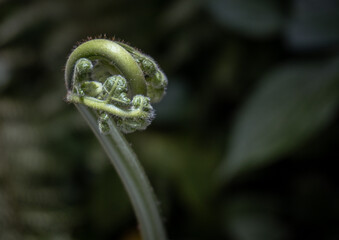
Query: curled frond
{"points": [[117, 81]]}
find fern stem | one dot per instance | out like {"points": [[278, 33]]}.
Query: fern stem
{"points": [[132, 176]]}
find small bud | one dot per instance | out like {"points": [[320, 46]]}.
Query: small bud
{"points": [[91, 88], [129, 125], [148, 66], [114, 86], [156, 86], [141, 102], [103, 123], [123, 98], [82, 69]]}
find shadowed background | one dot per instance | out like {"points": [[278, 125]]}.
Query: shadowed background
{"points": [[244, 144]]}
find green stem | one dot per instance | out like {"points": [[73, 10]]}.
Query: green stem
{"points": [[132, 175], [103, 106]]}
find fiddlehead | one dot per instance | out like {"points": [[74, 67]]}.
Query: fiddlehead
{"points": [[116, 80], [113, 85]]}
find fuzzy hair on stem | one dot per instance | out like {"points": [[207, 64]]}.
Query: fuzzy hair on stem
{"points": [[113, 85]]}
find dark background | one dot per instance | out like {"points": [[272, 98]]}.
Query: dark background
{"points": [[244, 145]]}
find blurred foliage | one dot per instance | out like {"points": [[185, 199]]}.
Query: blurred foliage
{"points": [[244, 144], [289, 106]]}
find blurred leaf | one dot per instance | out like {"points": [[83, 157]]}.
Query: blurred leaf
{"points": [[255, 18], [28, 17], [292, 104], [314, 23]]}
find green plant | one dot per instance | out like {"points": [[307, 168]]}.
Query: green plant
{"points": [[113, 85]]}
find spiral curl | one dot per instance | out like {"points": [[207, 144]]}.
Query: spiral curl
{"points": [[117, 81]]}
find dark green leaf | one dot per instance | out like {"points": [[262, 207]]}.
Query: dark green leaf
{"points": [[291, 104]]}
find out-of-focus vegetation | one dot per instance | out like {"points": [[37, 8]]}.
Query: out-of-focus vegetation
{"points": [[244, 144]]}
